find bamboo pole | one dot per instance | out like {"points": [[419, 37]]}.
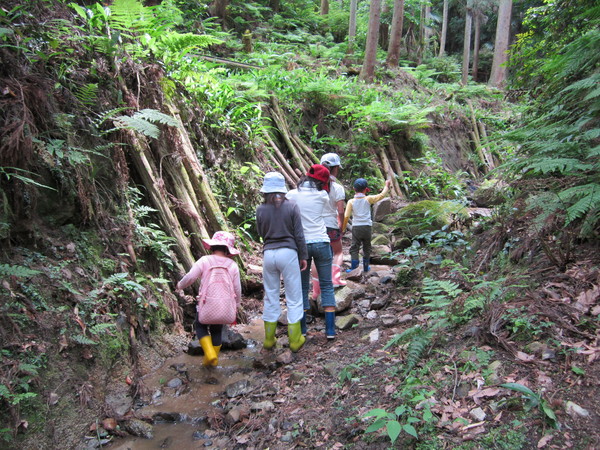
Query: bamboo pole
{"points": [[161, 202], [288, 172], [390, 173], [488, 158], [199, 180], [309, 153], [284, 130]]}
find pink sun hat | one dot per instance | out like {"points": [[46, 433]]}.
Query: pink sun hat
{"points": [[222, 238]]}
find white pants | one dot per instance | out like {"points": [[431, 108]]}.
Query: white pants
{"points": [[278, 263]]}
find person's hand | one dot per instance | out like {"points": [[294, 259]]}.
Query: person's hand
{"points": [[388, 183], [303, 265]]}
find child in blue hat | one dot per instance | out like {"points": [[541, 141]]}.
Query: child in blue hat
{"points": [[359, 209]]}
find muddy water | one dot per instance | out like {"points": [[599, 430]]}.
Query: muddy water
{"points": [[193, 401]]}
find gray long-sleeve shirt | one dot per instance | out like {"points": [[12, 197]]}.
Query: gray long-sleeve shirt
{"points": [[281, 227]]}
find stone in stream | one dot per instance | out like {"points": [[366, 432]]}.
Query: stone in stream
{"points": [[239, 388], [139, 428]]}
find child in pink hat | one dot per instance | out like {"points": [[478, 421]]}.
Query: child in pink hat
{"points": [[220, 292]]}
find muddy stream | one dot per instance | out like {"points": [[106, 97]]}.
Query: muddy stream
{"points": [[186, 407]]}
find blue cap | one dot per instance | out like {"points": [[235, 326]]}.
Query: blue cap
{"points": [[360, 184]]}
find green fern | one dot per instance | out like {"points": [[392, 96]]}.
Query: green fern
{"points": [[7, 270], [81, 339], [417, 347], [587, 200], [87, 94], [142, 122], [129, 15]]}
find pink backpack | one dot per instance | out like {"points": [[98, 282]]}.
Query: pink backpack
{"points": [[216, 301]]}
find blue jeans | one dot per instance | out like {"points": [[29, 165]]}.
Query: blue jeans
{"points": [[321, 253]]}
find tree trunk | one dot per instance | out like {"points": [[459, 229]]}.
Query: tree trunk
{"points": [[352, 26], [221, 10], [393, 55], [476, 44], [466, 47], [324, 7], [367, 71], [384, 28], [498, 73], [444, 29]]}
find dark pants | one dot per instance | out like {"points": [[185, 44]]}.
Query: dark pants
{"points": [[214, 331], [361, 236]]}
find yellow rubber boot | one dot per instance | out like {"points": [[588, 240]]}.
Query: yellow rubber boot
{"points": [[270, 339], [217, 350], [295, 336], [210, 356]]}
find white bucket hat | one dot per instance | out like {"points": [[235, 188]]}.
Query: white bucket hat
{"points": [[273, 182], [331, 160]]}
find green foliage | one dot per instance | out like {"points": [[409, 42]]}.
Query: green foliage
{"points": [[143, 121], [534, 400], [434, 180], [8, 270], [428, 215], [391, 422]]}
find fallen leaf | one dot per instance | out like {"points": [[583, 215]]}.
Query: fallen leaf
{"points": [[525, 357], [544, 441]]}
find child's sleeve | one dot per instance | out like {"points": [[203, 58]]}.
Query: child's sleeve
{"points": [[189, 278], [347, 215], [375, 198]]}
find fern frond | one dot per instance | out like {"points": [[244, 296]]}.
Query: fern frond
{"points": [[141, 122], [128, 15], [81, 339], [152, 115], [7, 270], [87, 94], [559, 165], [183, 43], [416, 349], [590, 200]]}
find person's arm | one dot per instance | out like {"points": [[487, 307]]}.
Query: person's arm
{"points": [[347, 215], [189, 279], [340, 210], [375, 198]]}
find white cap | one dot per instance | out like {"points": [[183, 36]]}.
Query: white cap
{"points": [[331, 160]]}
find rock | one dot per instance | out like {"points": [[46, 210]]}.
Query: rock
{"points": [[381, 239], [346, 322], [371, 315], [164, 417], [405, 318], [374, 335], [379, 303], [343, 300], [355, 275], [139, 428], [174, 383], [548, 353], [232, 340], [194, 348], [119, 404], [262, 406], [331, 369], [389, 320], [285, 357], [199, 435], [238, 388], [535, 347], [478, 414], [574, 409], [233, 416], [287, 437], [386, 279], [365, 304], [381, 209]]}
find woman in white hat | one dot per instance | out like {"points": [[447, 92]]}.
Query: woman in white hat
{"points": [[279, 223]]}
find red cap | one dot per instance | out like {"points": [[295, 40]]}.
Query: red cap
{"points": [[321, 173]]}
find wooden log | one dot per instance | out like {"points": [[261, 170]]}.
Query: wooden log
{"points": [[279, 118], [310, 155], [288, 172], [385, 163]]}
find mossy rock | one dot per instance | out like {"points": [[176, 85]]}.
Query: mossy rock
{"points": [[490, 193], [427, 216]]}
